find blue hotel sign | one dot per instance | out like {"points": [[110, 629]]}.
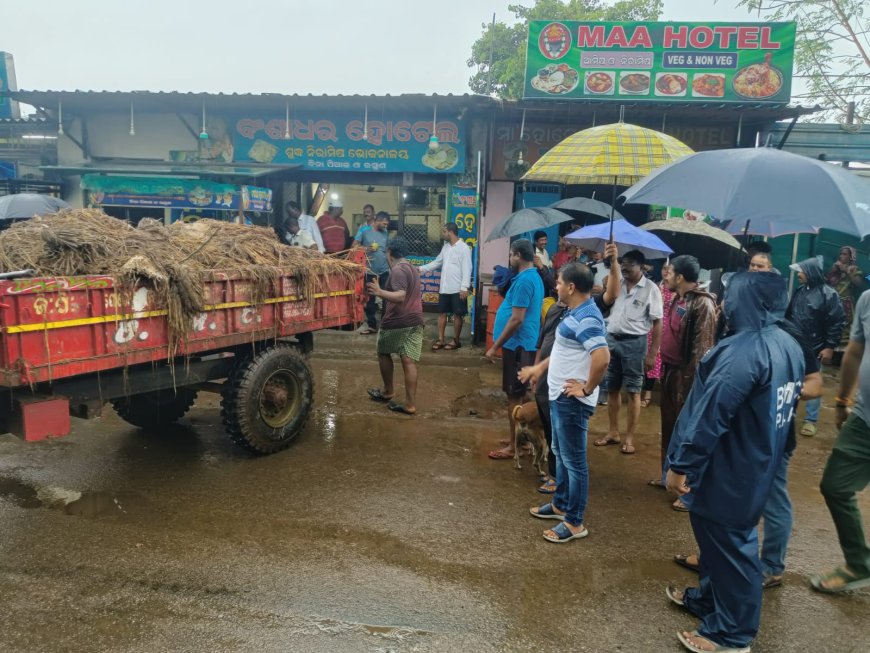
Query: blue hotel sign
{"points": [[350, 142]]}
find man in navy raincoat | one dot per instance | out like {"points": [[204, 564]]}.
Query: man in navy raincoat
{"points": [[727, 445]]}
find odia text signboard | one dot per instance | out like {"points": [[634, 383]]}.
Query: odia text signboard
{"points": [[683, 62], [378, 142]]}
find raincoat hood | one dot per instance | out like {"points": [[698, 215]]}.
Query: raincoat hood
{"points": [[755, 300], [812, 267]]}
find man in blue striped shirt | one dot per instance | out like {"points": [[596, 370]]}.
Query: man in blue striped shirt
{"points": [[575, 368]]}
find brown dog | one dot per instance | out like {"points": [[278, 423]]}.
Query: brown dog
{"points": [[529, 430]]}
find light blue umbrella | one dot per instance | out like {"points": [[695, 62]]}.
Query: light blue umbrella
{"points": [[625, 235], [767, 190]]}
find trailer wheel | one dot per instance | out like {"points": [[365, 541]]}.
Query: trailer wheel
{"points": [[267, 399], [155, 409]]}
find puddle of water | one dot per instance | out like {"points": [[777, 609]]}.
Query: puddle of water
{"points": [[327, 410], [19, 493], [94, 504]]}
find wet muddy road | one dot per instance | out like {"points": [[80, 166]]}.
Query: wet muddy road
{"points": [[373, 532]]}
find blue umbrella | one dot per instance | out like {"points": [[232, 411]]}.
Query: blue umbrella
{"points": [[767, 190], [625, 235]]}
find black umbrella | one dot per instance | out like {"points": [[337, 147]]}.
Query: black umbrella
{"points": [[600, 211], [525, 220]]}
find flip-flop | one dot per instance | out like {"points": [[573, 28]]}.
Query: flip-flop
{"points": [[853, 584], [683, 561], [399, 408], [603, 442], [771, 581], [564, 534], [719, 649], [376, 395], [670, 593], [627, 449], [549, 487], [500, 454], [546, 511], [656, 482], [679, 506], [438, 344], [368, 331], [450, 346]]}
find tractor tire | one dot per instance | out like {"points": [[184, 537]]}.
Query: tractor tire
{"points": [[156, 409], [267, 399]]}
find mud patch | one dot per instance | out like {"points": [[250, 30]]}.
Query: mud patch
{"points": [[70, 502], [485, 403], [19, 493]]}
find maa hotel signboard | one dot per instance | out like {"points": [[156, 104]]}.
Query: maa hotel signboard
{"points": [[685, 62]]}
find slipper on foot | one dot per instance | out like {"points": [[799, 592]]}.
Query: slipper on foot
{"points": [[564, 534], [679, 506], [627, 449], [671, 593], [546, 511], [656, 482], [548, 487], [399, 408], [771, 581], [500, 454], [603, 442], [850, 581], [719, 649], [683, 561], [376, 395]]}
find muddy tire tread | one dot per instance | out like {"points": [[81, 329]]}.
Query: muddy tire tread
{"points": [[235, 419]]}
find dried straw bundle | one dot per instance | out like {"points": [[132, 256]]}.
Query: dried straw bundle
{"points": [[174, 262]]}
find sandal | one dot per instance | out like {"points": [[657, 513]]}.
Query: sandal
{"points": [[645, 402], [656, 482], [376, 395], [690, 645], [547, 511], [368, 331], [603, 442], [771, 581], [450, 346], [670, 592], [679, 506], [683, 561], [549, 487], [627, 449], [849, 581], [564, 534], [438, 344], [500, 454], [399, 408]]}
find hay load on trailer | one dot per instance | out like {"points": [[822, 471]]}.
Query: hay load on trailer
{"points": [[94, 309]]}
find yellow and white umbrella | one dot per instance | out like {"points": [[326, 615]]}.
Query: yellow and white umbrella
{"points": [[620, 154]]}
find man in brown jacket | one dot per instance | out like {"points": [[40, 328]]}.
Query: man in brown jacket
{"points": [[688, 332]]}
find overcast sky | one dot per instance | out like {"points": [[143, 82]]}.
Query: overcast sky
{"points": [[263, 46]]}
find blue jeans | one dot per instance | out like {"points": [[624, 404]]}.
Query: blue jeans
{"points": [[570, 419], [812, 408], [777, 522]]}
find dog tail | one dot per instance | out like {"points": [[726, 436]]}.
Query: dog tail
{"points": [[515, 415]]}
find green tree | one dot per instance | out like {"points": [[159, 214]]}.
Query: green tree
{"points": [[832, 52], [508, 42]]}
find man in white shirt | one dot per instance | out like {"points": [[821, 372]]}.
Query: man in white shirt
{"points": [[306, 222], [297, 236], [541, 249], [636, 312], [455, 263]]}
